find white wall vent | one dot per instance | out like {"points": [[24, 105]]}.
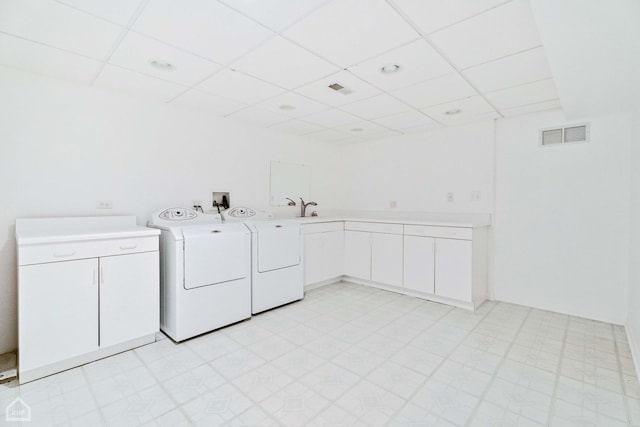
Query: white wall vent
{"points": [[564, 134]]}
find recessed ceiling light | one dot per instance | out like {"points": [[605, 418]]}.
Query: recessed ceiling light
{"points": [[390, 68], [287, 107], [161, 65], [357, 130], [453, 112]]}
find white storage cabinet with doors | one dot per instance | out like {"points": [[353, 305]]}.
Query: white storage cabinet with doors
{"points": [[373, 251], [441, 263], [447, 263], [323, 252], [88, 287]]}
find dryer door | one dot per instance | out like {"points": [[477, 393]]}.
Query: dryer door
{"points": [[216, 253], [278, 244]]}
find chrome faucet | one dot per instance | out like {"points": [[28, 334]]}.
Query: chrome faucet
{"points": [[303, 206]]}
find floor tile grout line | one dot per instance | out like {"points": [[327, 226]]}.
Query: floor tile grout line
{"points": [[444, 359], [93, 395], [165, 390], [495, 373], [554, 396]]}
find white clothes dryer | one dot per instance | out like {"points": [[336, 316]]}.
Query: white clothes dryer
{"points": [[205, 272], [276, 258]]}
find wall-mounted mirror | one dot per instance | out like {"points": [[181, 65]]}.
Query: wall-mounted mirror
{"points": [[288, 180]]}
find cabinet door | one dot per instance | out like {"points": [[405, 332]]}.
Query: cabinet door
{"points": [[332, 254], [313, 258], [129, 297], [453, 269], [419, 263], [386, 258], [58, 311], [357, 254]]}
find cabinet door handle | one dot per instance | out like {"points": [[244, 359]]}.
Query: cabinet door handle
{"points": [[64, 254], [95, 276], [102, 275], [125, 248]]}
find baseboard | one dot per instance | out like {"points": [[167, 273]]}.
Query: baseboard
{"points": [[323, 283]]}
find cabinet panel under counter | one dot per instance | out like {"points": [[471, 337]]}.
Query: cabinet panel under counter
{"points": [[88, 287], [442, 262]]}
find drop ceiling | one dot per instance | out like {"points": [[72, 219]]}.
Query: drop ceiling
{"points": [[270, 63]]}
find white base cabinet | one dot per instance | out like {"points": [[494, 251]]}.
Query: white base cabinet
{"points": [[357, 254], [452, 267], [58, 306], [87, 288], [323, 252], [444, 264], [419, 268]]}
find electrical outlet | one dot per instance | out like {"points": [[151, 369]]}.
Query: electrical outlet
{"points": [[104, 204], [450, 197], [476, 196], [393, 204]]}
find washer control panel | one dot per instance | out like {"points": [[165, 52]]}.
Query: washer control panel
{"points": [[178, 214], [241, 212]]}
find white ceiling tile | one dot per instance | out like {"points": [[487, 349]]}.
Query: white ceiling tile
{"points": [[320, 91], [241, 87], [382, 135], [331, 118], [349, 31], [206, 103], [530, 93], [302, 106], [499, 32], [329, 135], [471, 108], [513, 70], [297, 127], [36, 58], [436, 91], [58, 25], [531, 108], [135, 84], [418, 62], [378, 106], [432, 15], [258, 116], [283, 63], [136, 51], [362, 129], [204, 27], [118, 11], [421, 129], [406, 120], [275, 14]]}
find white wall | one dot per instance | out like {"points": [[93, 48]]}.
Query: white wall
{"points": [[63, 147], [633, 322], [417, 171], [561, 223]]}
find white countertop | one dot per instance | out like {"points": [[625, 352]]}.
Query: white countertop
{"points": [[437, 219], [32, 231]]}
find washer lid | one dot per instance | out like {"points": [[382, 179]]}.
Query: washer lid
{"points": [[178, 217], [241, 213]]}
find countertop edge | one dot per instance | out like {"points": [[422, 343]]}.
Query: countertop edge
{"points": [[465, 224]]}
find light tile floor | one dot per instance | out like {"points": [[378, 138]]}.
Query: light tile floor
{"points": [[350, 355]]}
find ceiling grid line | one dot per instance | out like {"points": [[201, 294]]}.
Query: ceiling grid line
{"points": [[118, 41], [442, 54], [270, 56]]}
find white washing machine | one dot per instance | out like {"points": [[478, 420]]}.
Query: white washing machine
{"points": [[205, 272], [276, 258]]}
